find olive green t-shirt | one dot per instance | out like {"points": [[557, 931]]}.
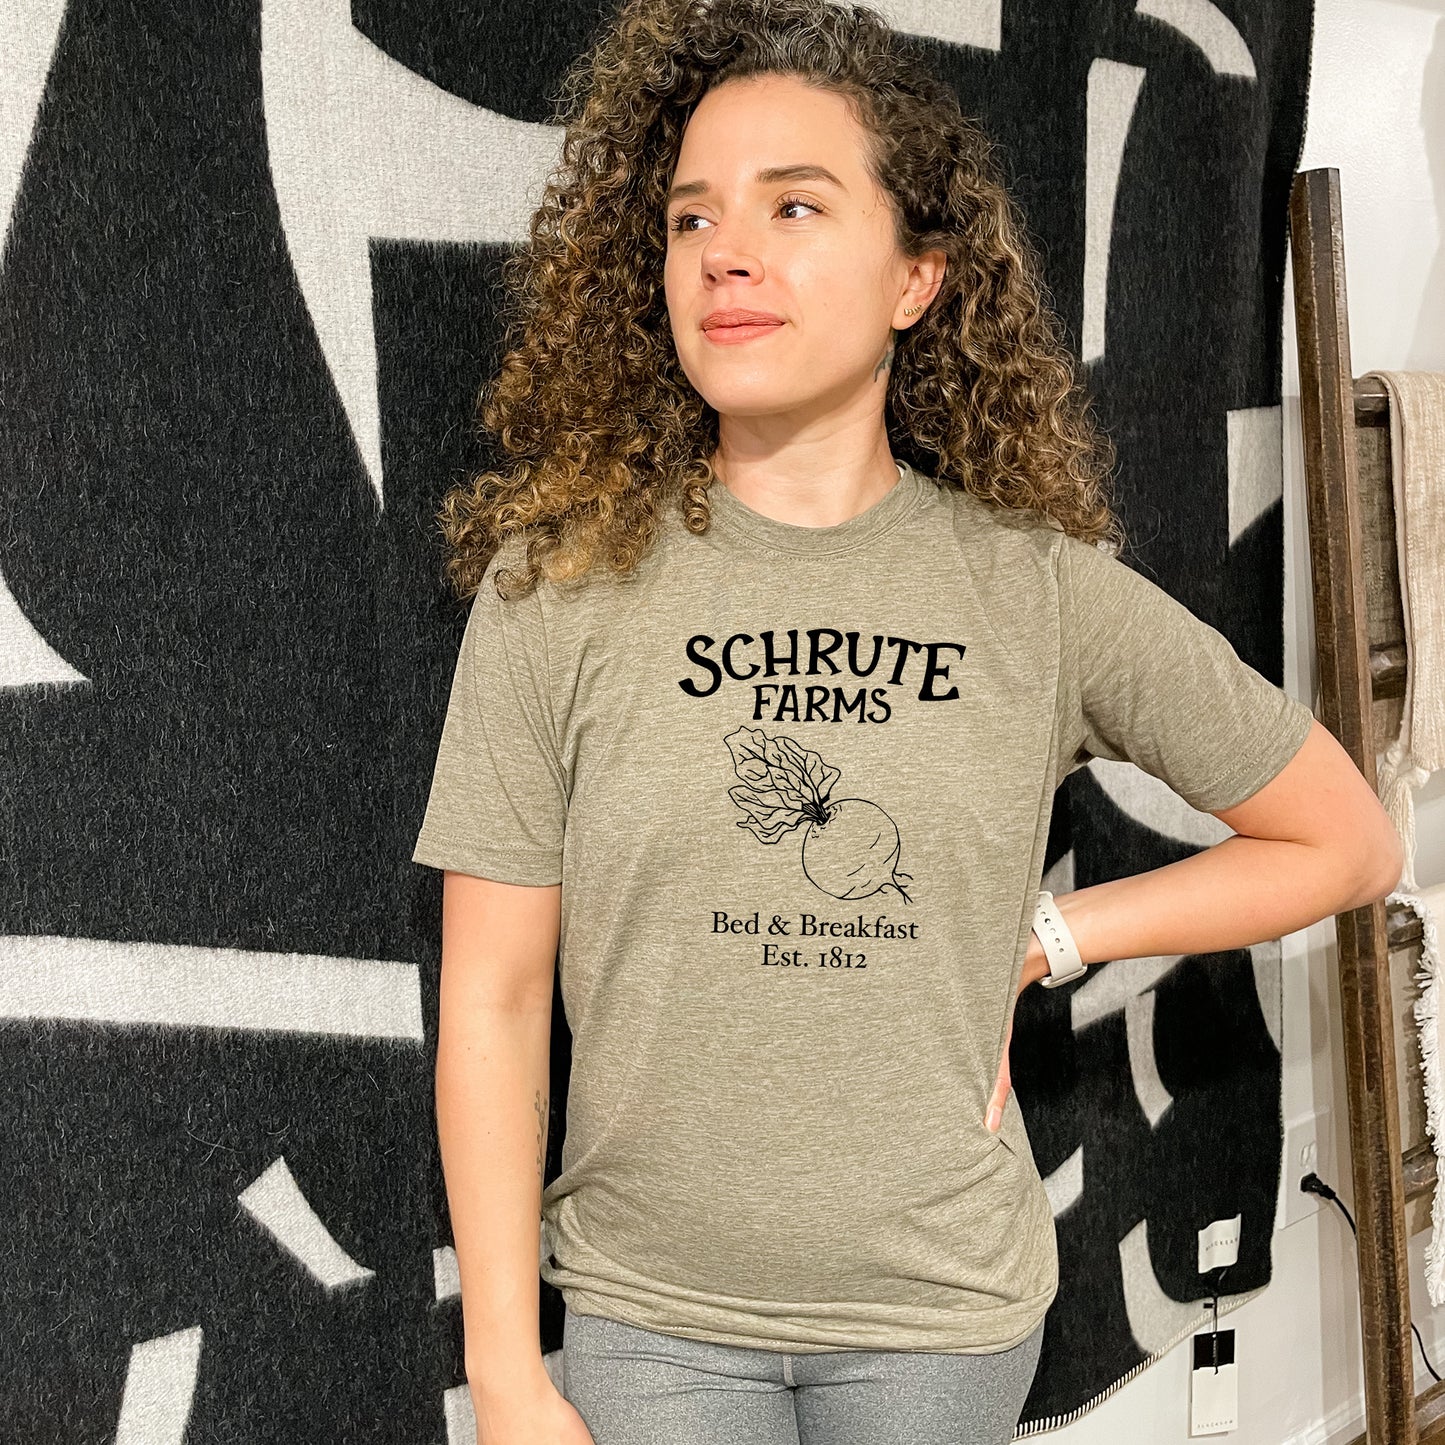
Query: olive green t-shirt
{"points": [[796, 783]]}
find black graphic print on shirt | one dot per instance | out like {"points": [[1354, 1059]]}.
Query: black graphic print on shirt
{"points": [[851, 846], [898, 666]]}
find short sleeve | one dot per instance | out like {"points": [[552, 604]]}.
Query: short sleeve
{"points": [[1154, 685], [498, 801]]}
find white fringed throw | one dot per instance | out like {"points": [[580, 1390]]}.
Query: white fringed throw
{"points": [[1417, 449]]}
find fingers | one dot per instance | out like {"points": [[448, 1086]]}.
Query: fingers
{"points": [[1000, 1098], [1002, 1085]]}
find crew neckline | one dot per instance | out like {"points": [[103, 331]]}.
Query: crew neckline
{"points": [[779, 536]]}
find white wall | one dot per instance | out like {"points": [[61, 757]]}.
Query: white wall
{"points": [[1377, 115]]}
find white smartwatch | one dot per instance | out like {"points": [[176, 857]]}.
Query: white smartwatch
{"points": [[1059, 946]]}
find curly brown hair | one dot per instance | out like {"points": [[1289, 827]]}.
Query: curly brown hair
{"points": [[605, 429]]}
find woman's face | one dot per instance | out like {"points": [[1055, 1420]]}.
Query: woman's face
{"points": [[815, 253]]}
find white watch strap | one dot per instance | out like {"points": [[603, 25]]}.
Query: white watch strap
{"points": [[1059, 946]]}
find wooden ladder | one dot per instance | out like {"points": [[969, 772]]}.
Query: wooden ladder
{"points": [[1360, 652]]}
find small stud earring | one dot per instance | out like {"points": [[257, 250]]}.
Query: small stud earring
{"points": [[911, 310]]}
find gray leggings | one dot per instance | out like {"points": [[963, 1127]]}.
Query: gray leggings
{"points": [[636, 1387]]}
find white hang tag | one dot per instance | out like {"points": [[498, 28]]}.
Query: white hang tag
{"points": [[1214, 1385]]}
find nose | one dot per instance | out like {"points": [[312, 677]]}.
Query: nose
{"points": [[717, 273], [717, 265], [729, 253]]}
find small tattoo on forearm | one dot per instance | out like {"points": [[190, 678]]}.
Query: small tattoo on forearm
{"points": [[887, 359]]}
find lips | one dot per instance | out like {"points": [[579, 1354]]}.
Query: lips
{"points": [[718, 319]]}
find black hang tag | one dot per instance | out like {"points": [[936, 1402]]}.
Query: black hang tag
{"points": [[1205, 1347]]}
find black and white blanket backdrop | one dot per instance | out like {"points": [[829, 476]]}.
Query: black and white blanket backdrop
{"points": [[248, 293]]}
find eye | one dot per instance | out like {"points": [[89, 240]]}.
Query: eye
{"points": [[679, 221], [798, 201]]}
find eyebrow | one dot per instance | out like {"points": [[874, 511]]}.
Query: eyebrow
{"points": [[767, 176]]}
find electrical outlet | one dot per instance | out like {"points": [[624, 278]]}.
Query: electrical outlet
{"points": [[1308, 1149]]}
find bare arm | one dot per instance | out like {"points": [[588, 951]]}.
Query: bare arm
{"points": [[1313, 842], [499, 948]]}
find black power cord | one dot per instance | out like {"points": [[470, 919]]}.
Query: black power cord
{"points": [[1313, 1184]]}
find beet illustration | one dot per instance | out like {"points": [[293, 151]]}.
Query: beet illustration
{"points": [[850, 846], [852, 852]]}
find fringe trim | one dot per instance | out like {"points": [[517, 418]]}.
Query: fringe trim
{"points": [[1427, 1018], [1397, 775]]}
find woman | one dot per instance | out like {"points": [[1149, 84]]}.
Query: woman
{"points": [[788, 619]]}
